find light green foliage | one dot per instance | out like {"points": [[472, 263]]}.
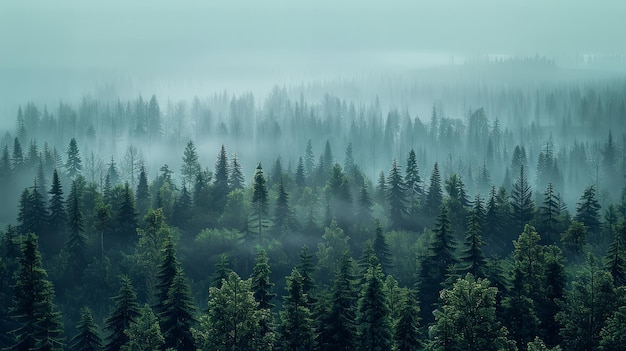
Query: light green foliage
{"points": [[332, 248], [144, 334]]}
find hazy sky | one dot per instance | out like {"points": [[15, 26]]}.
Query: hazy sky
{"points": [[168, 34]]}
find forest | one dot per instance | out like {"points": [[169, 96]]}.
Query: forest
{"points": [[477, 207]]}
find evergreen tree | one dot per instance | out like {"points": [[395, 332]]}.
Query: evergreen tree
{"points": [[36, 215], [6, 170], [88, 337], [125, 312], [309, 159], [191, 165], [550, 214], [407, 333], [177, 316], [575, 237], [73, 166], [142, 194], [17, 157], [260, 201], [306, 268], [261, 285], [493, 220], [396, 192], [284, 218], [435, 195], [144, 333], [126, 216], [339, 198], [374, 328], [56, 208], [112, 173], [588, 211], [300, 177], [182, 208], [616, 257], [338, 326], [473, 259], [364, 208], [33, 307], [166, 272], [521, 200], [297, 328], [236, 180], [76, 243], [221, 187], [381, 248], [222, 271], [612, 336], [413, 180]]}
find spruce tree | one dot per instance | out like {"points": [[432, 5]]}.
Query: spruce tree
{"points": [[309, 159], [76, 244], [435, 194], [588, 211], [73, 166], [364, 209], [396, 192], [260, 201], [88, 337], [284, 218], [300, 176], [36, 218], [236, 179], [381, 248], [616, 257], [521, 200], [33, 303], [413, 180], [407, 333], [306, 268], [114, 175], [17, 156], [125, 312], [550, 215], [381, 189], [142, 193], [297, 328], [182, 209], [144, 333], [166, 271], [374, 327], [473, 258], [126, 216], [191, 165], [222, 270], [177, 316], [56, 209], [221, 187], [6, 170], [261, 285]]}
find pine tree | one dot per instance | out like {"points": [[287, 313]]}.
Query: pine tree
{"points": [[17, 157], [177, 316], [381, 248], [338, 327], [588, 211], [142, 194], [407, 333], [575, 237], [222, 271], [33, 303], [182, 209], [616, 257], [306, 270], [88, 337], [364, 209], [112, 173], [284, 218], [413, 180], [396, 191], [521, 200], [259, 201], [236, 180], [126, 216], [493, 220], [473, 258], [435, 194], [300, 177], [221, 187], [56, 209], [309, 159], [374, 328], [166, 272], [261, 285], [125, 312], [73, 166], [297, 328], [6, 170], [191, 166], [144, 333], [550, 213], [36, 217], [76, 244]]}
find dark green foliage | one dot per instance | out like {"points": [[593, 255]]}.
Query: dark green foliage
{"points": [[56, 209], [381, 248], [112, 173], [521, 200], [413, 180], [284, 218], [339, 197], [76, 243], [575, 237], [125, 312], [222, 270], [143, 194], [126, 216], [300, 176], [407, 333], [364, 211], [588, 212], [17, 156], [616, 257], [338, 325], [396, 196], [221, 186], [261, 285], [549, 214], [166, 272], [236, 179], [33, 303], [434, 197], [182, 209], [260, 202], [473, 259], [88, 337], [306, 268], [374, 327], [381, 189], [73, 166], [612, 336], [191, 166], [177, 314], [297, 327]]}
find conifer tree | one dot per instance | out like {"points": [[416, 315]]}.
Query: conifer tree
{"points": [[306, 268], [222, 271], [191, 165], [236, 179], [374, 328], [56, 209], [588, 211], [17, 156], [521, 200], [88, 337], [284, 218], [300, 176], [338, 326], [6, 170], [126, 216], [396, 192], [177, 316], [221, 187], [33, 307], [112, 173], [407, 333], [493, 220], [260, 201], [413, 180], [473, 258], [36, 215], [309, 159], [381, 189], [550, 214], [297, 328], [616, 257], [381, 248], [125, 312], [73, 166], [364, 208], [76, 244], [142, 194], [166, 272], [144, 333], [435, 194], [182, 208], [261, 285]]}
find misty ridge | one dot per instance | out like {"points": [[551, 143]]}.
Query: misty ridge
{"points": [[277, 176]]}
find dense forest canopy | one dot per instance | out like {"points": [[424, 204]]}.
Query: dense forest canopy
{"points": [[403, 177]]}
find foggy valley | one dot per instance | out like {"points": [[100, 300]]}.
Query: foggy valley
{"points": [[312, 176]]}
